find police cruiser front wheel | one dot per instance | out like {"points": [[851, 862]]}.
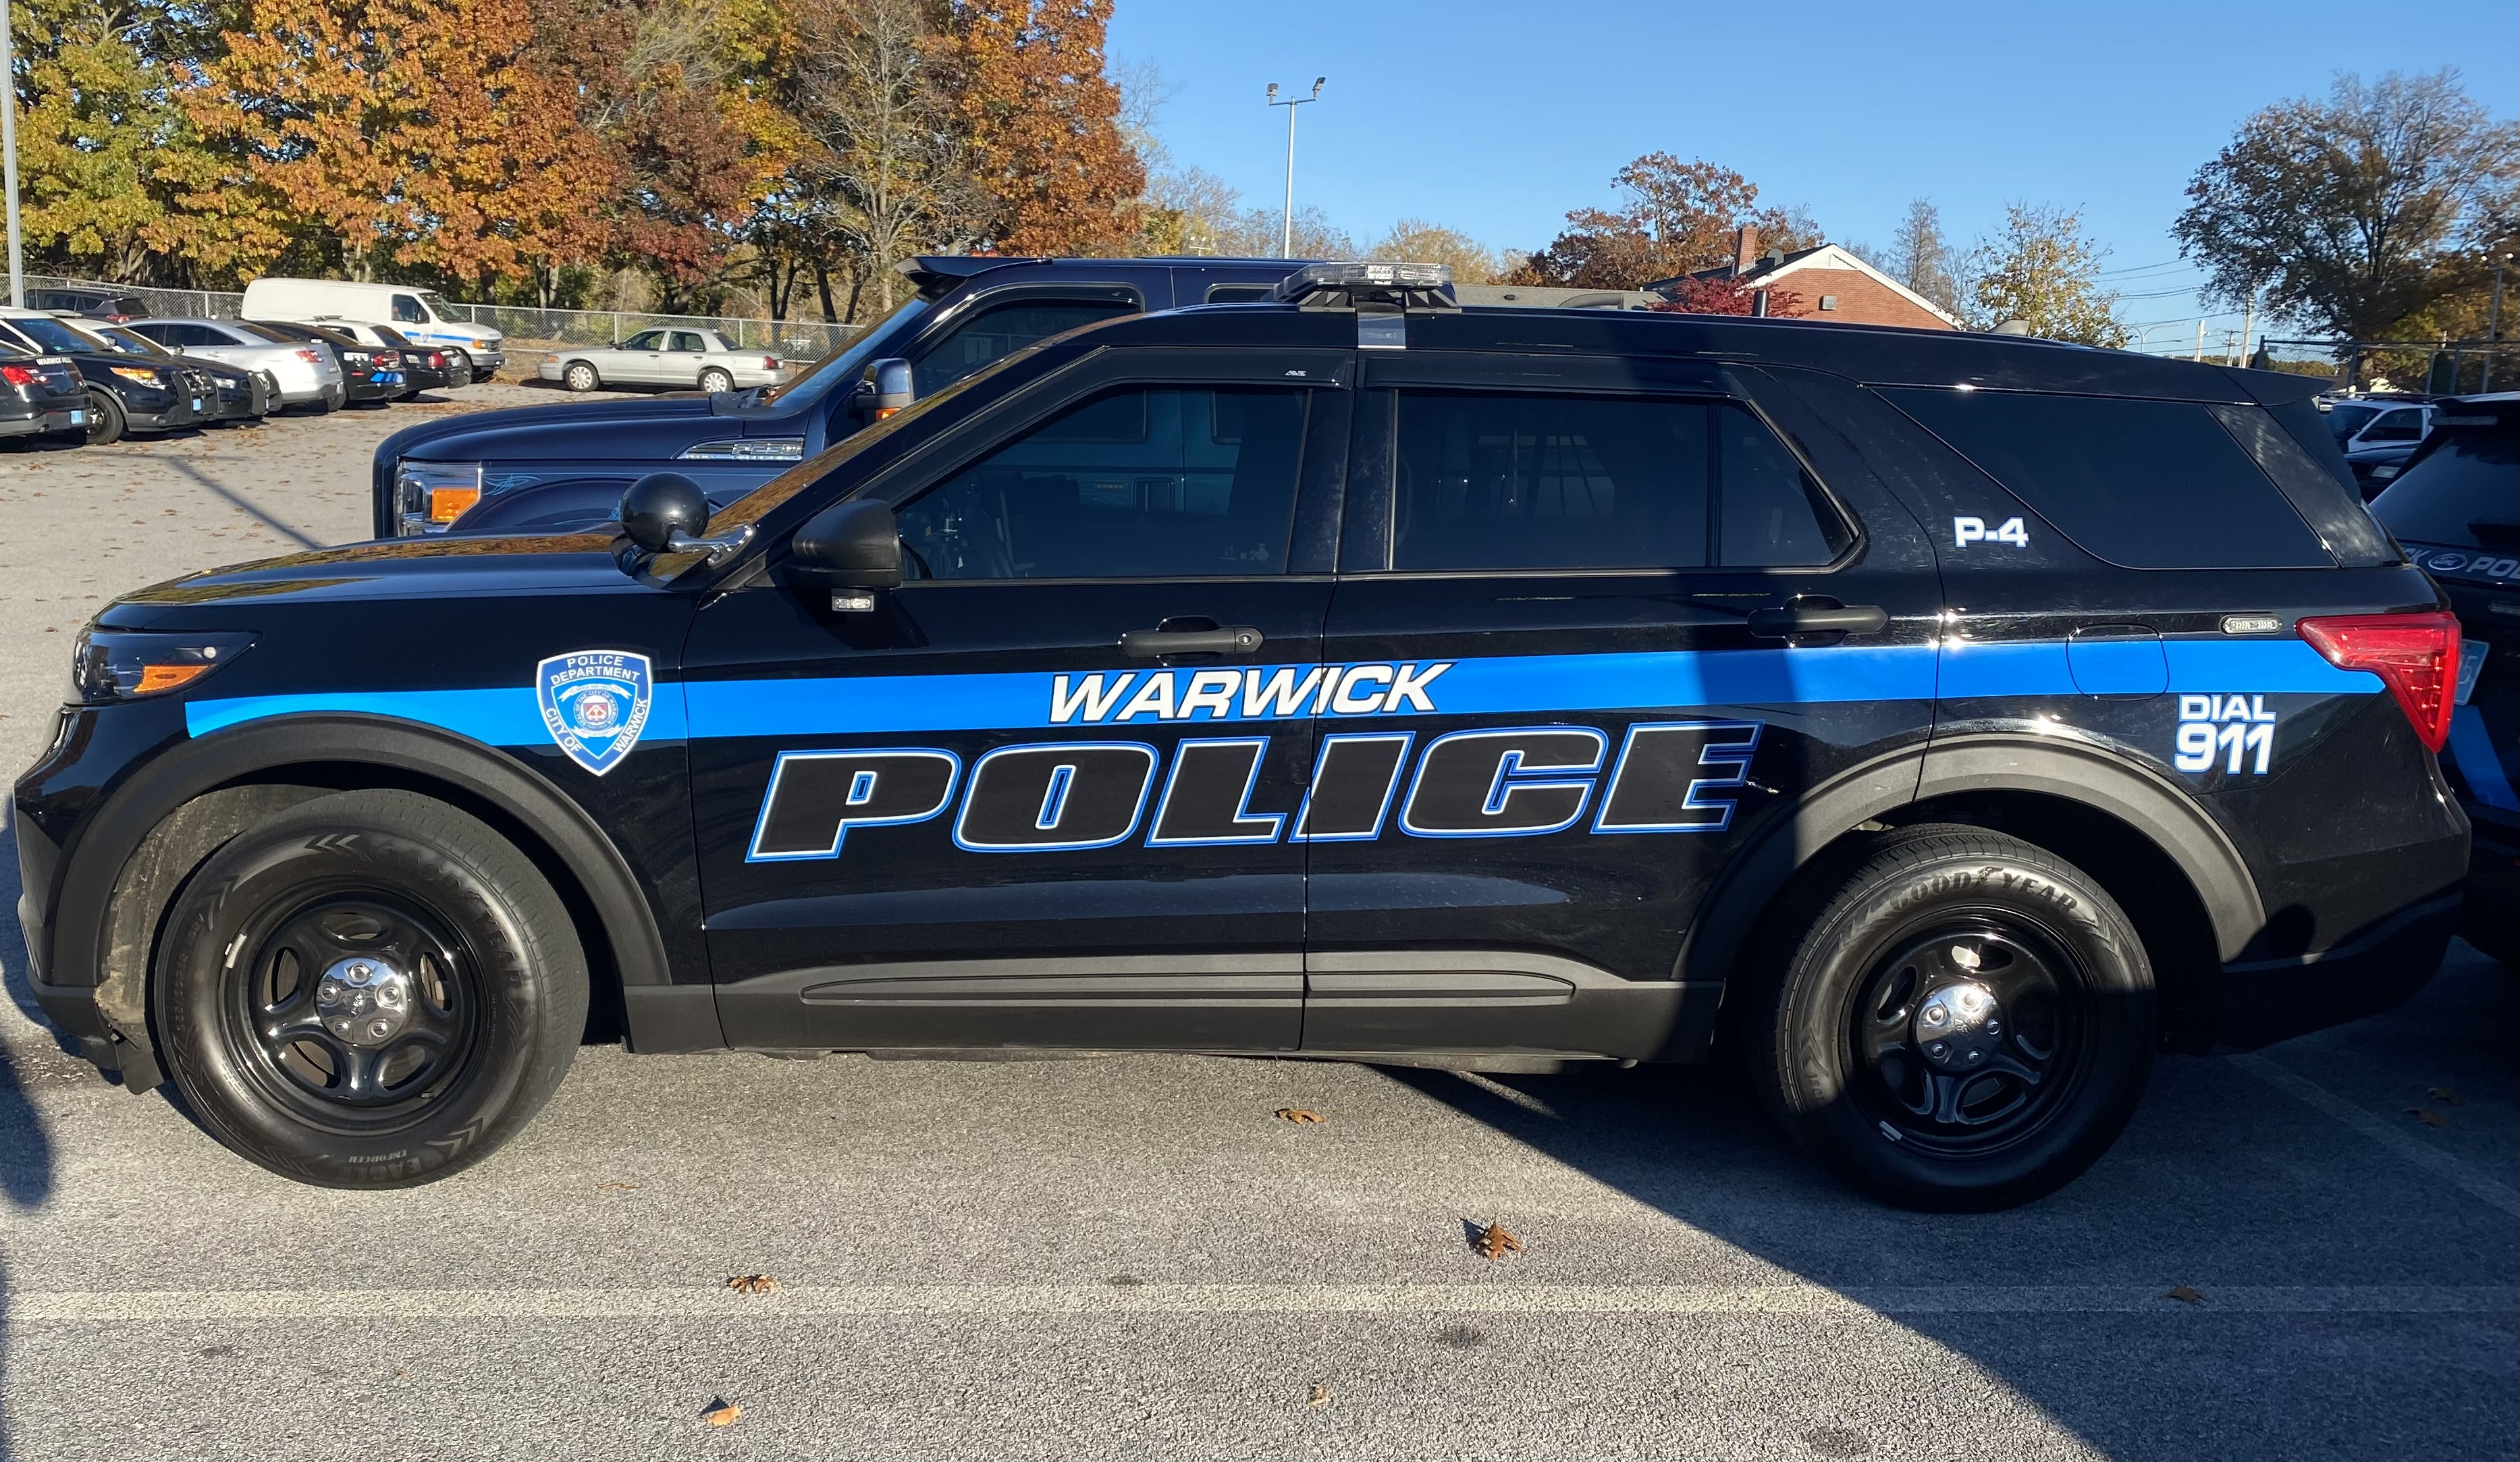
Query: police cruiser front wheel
{"points": [[1964, 1023], [370, 991]]}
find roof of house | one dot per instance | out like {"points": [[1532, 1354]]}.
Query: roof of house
{"points": [[1771, 270]]}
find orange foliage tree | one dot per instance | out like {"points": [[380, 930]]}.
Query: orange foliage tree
{"points": [[1680, 216], [1041, 124], [419, 133]]}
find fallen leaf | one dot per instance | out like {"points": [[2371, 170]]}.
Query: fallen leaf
{"points": [[2445, 1096], [1298, 1115], [2183, 1295], [617, 1187], [721, 1413], [753, 1284], [2428, 1116], [1494, 1242], [1321, 1396]]}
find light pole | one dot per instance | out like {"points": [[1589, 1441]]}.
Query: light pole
{"points": [[9, 154], [1287, 239]]}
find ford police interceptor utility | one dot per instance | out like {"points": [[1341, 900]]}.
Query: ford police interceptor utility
{"points": [[1952, 721]]}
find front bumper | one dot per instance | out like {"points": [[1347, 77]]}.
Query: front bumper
{"points": [[168, 413]]}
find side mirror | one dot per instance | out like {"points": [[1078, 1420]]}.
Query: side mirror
{"points": [[661, 505], [888, 387], [852, 545]]}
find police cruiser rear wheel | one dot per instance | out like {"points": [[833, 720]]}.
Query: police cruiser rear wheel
{"points": [[370, 991], [1965, 1024]]}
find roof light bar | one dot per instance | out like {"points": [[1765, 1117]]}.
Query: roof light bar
{"points": [[1345, 285]]}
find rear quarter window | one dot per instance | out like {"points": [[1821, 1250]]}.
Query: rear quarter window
{"points": [[2143, 484], [2464, 493]]}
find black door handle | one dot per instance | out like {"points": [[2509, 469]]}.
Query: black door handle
{"points": [[1224, 639], [1818, 617]]}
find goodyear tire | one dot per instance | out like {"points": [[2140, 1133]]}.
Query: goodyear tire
{"points": [[1959, 1022], [107, 424], [580, 376], [373, 990]]}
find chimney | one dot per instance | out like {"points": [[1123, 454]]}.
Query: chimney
{"points": [[1745, 250]]}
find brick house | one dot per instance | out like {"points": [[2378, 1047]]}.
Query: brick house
{"points": [[1835, 285]]}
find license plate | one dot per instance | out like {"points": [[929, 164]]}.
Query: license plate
{"points": [[197, 403], [2472, 655]]}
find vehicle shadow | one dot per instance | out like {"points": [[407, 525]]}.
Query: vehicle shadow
{"points": [[2220, 1181], [28, 1162]]}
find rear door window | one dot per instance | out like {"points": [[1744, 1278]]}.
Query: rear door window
{"points": [[685, 339], [995, 333], [2397, 427], [2143, 484], [1493, 481]]}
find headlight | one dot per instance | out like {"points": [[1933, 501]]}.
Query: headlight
{"points": [[141, 373], [429, 495], [116, 665]]}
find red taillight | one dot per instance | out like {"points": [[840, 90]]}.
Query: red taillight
{"points": [[21, 375], [770, 363], [311, 357], [2417, 655]]}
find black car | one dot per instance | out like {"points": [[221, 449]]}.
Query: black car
{"points": [[2457, 510], [368, 373], [244, 394], [95, 304], [126, 393], [561, 469], [424, 367], [40, 395], [1950, 720]]}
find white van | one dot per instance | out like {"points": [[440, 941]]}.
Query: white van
{"points": [[418, 315]]}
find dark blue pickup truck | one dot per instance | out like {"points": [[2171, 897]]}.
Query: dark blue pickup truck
{"points": [[561, 467]]}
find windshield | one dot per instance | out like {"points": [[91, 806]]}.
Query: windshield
{"points": [[2461, 495], [434, 308], [846, 361], [52, 335], [126, 341], [2345, 419]]}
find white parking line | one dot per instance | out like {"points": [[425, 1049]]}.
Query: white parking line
{"points": [[2383, 1131], [81, 1306]]}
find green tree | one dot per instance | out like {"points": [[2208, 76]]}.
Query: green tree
{"points": [[2043, 272], [1415, 240], [1923, 259], [2359, 211]]}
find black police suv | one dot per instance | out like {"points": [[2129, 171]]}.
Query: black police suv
{"points": [[40, 395], [1950, 721], [561, 468], [2456, 510], [126, 393]]}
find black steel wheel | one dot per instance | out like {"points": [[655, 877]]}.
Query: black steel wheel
{"points": [[369, 989], [1958, 1020], [106, 420]]}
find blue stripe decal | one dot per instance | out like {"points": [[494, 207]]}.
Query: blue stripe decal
{"points": [[1501, 685]]}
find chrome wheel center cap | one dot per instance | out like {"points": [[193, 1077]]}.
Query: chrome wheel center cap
{"points": [[364, 1001], [1959, 1027]]}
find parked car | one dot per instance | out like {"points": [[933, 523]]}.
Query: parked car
{"points": [[2377, 435], [561, 467], [2457, 508], [1356, 675], [676, 357], [475, 352], [244, 393], [41, 395], [308, 374], [423, 367], [126, 393], [95, 304], [366, 372]]}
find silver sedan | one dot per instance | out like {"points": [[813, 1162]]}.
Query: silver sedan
{"points": [[702, 358]]}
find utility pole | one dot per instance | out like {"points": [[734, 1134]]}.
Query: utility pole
{"points": [[2248, 323], [8, 154], [1287, 239], [2200, 342], [2493, 324]]}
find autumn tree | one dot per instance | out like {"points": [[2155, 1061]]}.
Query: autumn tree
{"points": [[1415, 240], [2043, 271], [1923, 261], [1725, 296], [1040, 123], [1678, 217], [419, 134], [2357, 211]]}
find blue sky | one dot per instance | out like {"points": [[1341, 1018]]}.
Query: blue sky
{"points": [[1495, 118]]}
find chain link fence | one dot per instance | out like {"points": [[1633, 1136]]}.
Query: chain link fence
{"points": [[527, 329]]}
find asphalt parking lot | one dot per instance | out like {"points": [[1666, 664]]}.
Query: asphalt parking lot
{"points": [[2304, 1253]]}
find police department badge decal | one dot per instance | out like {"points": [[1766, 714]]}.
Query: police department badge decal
{"points": [[595, 704]]}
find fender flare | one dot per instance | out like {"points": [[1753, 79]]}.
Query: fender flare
{"points": [[95, 862], [2155, 808]]}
